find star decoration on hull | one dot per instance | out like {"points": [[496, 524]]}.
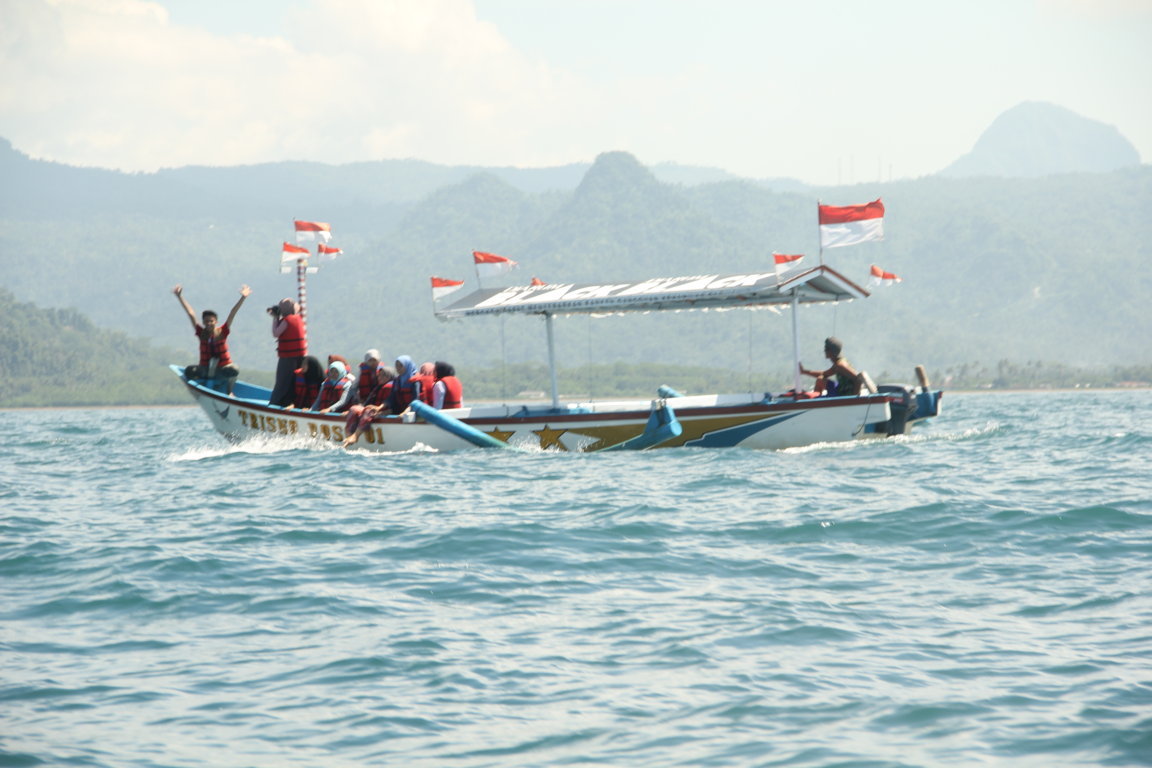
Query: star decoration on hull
{"points": [[550, 437], [501, 435]]}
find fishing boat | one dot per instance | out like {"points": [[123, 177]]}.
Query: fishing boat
{"points": [[759, 420]]}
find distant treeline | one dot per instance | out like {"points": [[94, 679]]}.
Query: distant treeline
{"points": [[57, 357], [1036, 374]]}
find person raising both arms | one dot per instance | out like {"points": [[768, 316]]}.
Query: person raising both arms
{"points": [[215, 362], [841, 379], [291, 347]]}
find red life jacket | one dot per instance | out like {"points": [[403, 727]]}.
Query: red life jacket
{"points": [[214, 346], [426, 381], [402, 396], [305, 393], [454, 392], [291, 343], [367, 382], [330, 392], [379, 395]]}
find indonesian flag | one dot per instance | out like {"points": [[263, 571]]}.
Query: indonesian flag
{"points": [[784, 262], [441, 287], [293, 253], [880, 277], [311, 231], [489, 264], [851, 224], [328, 253]]}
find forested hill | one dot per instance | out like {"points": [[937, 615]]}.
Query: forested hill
{"points": [[1041, 269], [58, 357]]}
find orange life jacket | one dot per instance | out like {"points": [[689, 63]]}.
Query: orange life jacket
{"points": [[331, 392], [214, 346], [291, 343], [453, 392]]}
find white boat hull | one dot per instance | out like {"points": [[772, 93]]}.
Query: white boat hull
{"points": [[710, 421]]}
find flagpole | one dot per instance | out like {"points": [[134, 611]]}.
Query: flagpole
{"points": [[820, 239], [302, 293]]}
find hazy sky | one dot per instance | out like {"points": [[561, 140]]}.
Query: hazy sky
{"points": [[829, 91]]}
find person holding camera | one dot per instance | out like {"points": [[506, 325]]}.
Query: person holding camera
{"points": [[291, 348]]}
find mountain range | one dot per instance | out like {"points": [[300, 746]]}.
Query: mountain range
{"points": [[1009, 264]]}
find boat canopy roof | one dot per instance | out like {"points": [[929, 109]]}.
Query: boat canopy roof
{"points": [[817, 285]]}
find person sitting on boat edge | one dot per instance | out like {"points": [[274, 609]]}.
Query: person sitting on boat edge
{"points": [[406, 387], [309, 377], [360, 416], [291, 347], [447, 392], [366, 381], [841, 379], [215, 362], [335, 390]]}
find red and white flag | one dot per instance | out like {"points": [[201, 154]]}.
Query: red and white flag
{"points": [[441, 287], [784, 262], [851, 224], [328, 253], [880, 277], [489, 264], [311, 231], [292, 253]]}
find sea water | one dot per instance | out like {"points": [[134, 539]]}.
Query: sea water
{"points": [[977, 594]]}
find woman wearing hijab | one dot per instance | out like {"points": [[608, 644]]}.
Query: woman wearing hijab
{"points": [[406, 386], [335, 391]]}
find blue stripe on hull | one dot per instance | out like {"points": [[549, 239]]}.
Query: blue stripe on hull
{"points": [[732, 436]]}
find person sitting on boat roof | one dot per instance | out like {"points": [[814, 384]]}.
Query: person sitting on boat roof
{"points": [[309, 377], [406, 387], [215, 362], [447, 392], [366, 381], [291, 347], [360, 416], [335, 390], [841, 379]]}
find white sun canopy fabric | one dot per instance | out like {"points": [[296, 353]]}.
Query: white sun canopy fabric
{"points": [[758, 289]]}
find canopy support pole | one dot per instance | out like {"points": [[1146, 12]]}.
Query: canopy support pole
{"points": [[796, 340], [552, 360]]}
